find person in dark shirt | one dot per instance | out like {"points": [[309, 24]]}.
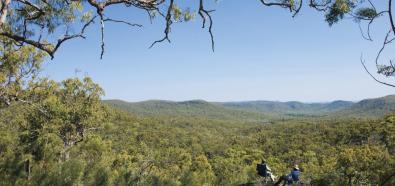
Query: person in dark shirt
{"points": [[264, 170], [293, 177]]}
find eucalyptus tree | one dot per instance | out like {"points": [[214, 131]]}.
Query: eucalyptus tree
{"points": [[47, 24]]}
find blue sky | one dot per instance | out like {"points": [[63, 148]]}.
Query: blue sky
{"points": [[261, 54]]}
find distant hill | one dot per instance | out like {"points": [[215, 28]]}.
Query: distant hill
{"points": [[258, 110], [290, 108], [376, 107], [193, 108]]}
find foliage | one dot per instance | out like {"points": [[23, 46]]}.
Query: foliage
{"points": [[337, 11], [180, 151], [366, 13], [61, 134]]}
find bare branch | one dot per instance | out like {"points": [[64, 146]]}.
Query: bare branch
{"points": [[120, 21], [42, 46], [47, 47], [368, 37], [169, 22], [386, 42], [298, 9], [371, 75], [371, 20], [32, 5], [371, 4], [320, 7], [102, 38], [284, 5], [204, 14], [81, 35], [390, 15]]}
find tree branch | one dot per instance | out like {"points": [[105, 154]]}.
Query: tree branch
{"points": [[4, 6], [390, 16], [50, 49], [371, 75], [169, 22], [204, 14], [120, 21], [386, 42]]}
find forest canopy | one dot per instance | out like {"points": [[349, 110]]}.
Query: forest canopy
{"points": [[60, 133], [101, 146]]}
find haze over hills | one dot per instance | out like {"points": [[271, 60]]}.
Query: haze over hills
{"points": [[291, 107], [376, 107], [258, 110]]}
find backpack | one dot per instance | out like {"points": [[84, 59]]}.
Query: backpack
{"points": [[261, 169]]}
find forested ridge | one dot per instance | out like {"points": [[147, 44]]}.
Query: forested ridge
{"points": [[61, 133], [260, 110], [116, 148]]}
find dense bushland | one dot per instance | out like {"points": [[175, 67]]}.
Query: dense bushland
{"points": [[82, 142]]}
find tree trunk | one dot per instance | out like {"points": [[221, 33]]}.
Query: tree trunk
{"points": [[27, 168], [350, 180], [66, 152], [4, 10]]}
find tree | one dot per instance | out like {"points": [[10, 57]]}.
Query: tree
{"points": [[19, 67], [67, 110], [46, 127], [38, 22]]}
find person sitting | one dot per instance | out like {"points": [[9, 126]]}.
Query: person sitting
{"points": [[264, 170], [293, 177], [295, 173]]}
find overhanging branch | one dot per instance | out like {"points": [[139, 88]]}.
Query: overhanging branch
{"points": [[169, 22], [205, 14]]}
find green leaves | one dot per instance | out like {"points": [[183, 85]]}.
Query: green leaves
{"points": [[65, 136], [386, 70], [86, 16], [182, 15], [364, 163], [366, 13], [338, 10]]}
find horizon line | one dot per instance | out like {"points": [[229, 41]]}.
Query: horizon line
{"points": [[238, 101]]}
